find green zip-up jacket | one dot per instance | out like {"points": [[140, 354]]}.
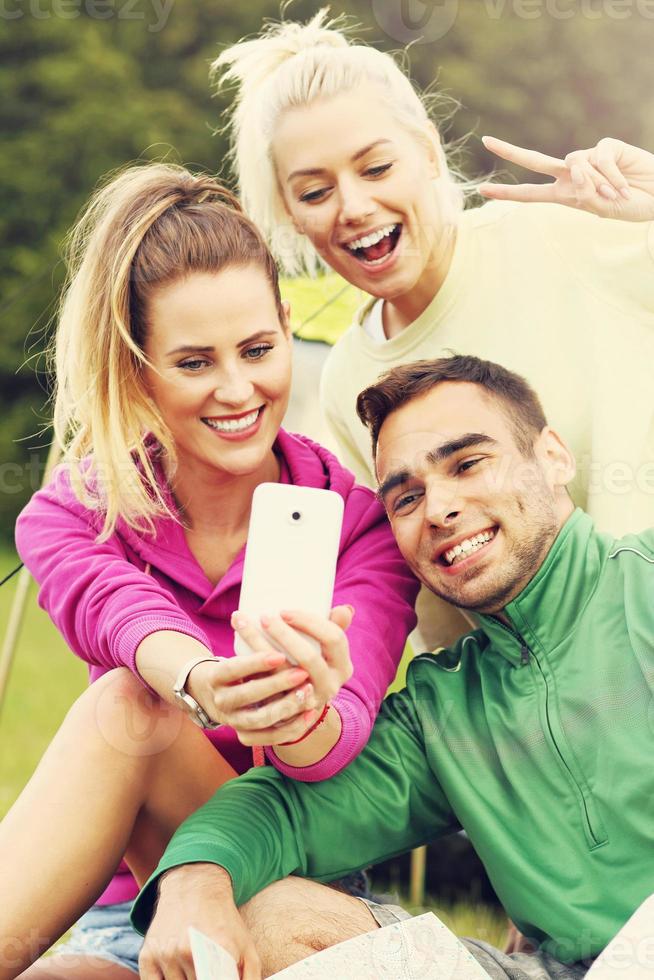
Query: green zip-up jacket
{"points": [[537, 740]]}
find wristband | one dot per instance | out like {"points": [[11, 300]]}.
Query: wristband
{"points": [[312, 728]]}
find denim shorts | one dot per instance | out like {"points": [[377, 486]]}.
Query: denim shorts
{"points": [[105, 932]]}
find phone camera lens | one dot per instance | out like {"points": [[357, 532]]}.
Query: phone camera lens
{"points": [[296, 515]]}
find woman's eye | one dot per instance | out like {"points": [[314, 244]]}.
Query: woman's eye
{"points": [[310, 196], [256, 353], [378, 171], [195, 365]]}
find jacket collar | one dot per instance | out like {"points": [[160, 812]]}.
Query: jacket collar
{"points": [[548, 608]]}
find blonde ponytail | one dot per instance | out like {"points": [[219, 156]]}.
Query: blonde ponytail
{"points": [[149, 226], [289, 65]]}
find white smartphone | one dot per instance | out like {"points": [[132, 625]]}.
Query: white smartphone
{"points": [[291, 552]]}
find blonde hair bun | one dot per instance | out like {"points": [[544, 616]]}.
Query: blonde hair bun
{"points": [[250, 63]]}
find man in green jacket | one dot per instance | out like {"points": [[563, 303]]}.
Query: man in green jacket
{"points": [[534, 733]]}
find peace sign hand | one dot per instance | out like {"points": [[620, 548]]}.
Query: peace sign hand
{"points": [[612, 179]]}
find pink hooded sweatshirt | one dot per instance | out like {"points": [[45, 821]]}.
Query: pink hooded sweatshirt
{"points": [[104, 602]]}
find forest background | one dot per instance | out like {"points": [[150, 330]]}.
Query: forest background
{"points": [[89, 85]]}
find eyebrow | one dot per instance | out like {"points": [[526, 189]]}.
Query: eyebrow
{"points": [[401, 476], [193, 349], [316, 171]]}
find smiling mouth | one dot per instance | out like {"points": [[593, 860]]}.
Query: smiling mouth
{"points": [[468, 546], [238, 423], [375, 248]]}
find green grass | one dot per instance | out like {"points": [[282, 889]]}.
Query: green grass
{"points": [[45, 679]]}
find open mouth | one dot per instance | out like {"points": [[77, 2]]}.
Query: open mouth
{"points": [[375, 248], [236, 423], [467, 547]]}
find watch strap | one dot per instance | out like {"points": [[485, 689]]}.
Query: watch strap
{"points": [[186, 701]]}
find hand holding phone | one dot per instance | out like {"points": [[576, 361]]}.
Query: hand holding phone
{"points": [[287, 592], [317, 644]]}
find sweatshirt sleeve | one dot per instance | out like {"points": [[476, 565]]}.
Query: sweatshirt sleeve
{"points": [[262, 826], [373, 577], [101, 603]]}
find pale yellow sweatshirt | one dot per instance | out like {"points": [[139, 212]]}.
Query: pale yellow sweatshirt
{"points": [[565, 299]]}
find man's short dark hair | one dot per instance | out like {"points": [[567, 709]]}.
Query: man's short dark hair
{"points": [[408, 381]]}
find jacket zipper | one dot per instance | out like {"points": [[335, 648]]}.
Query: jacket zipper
{"points": [[526, 654]]}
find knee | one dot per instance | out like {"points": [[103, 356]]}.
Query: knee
{"points": [[118, 681], [125, 715]]}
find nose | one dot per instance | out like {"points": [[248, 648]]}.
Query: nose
{"points": [[356, 203], [442, 504], [233, 388]]}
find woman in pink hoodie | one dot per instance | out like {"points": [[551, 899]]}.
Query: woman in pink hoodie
{"points": [[173, 357]]}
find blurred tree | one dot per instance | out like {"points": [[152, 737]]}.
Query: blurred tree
{"points": [[80, 97]]}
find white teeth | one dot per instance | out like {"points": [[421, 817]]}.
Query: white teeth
{"points": [[372, 238], [233, 425], [467, 546]]}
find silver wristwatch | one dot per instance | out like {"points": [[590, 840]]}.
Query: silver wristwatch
{"points": [[186, 701]]}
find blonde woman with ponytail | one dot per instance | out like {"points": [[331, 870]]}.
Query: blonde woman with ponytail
{"points": [[173, 369], [340, 162]]}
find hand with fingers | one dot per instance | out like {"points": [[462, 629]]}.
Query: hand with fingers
{"points": [[252, 694], [324, 664], [612, 179], [198, 895]]}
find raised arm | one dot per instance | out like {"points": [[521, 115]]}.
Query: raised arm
{"points": [[611, 180]]}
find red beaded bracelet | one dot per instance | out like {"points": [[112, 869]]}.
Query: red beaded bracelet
{"points": [[312, 728]]}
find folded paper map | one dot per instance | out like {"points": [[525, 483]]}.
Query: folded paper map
{"points": [[630, 954], [421, 948]]}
